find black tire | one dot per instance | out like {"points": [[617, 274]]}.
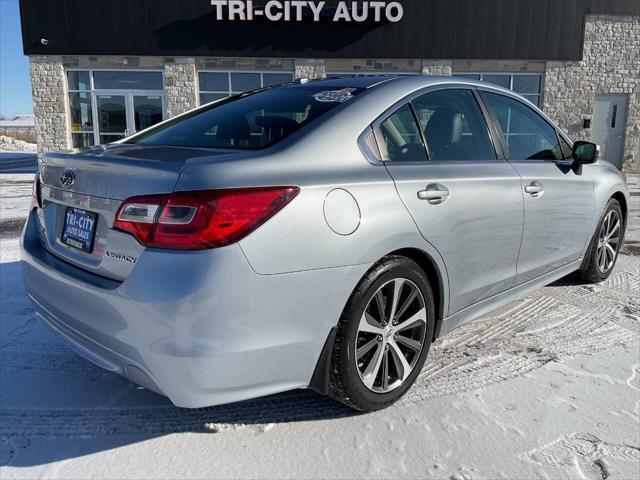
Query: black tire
{"points": [[346, 384], [591, 270]]}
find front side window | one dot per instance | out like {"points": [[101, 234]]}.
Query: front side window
{"points": [[251, 121], [567, 148], [399, 138], [453, 125], [526, 134]]}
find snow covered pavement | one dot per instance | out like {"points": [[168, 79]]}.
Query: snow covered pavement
{"points": [[548, 387], [15, 195]]}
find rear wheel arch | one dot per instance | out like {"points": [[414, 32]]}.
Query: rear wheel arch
{"points": [[433, 273]]}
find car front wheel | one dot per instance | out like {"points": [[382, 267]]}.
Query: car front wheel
{"points": [[605, 245]]}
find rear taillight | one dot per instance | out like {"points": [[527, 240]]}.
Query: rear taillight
{"points": [[36, 200], [200, 220]]}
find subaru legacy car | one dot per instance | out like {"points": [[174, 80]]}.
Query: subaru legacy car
{"points": [[314, 235]]}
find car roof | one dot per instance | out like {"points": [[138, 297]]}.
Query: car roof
{"points": [[355, 81], [369, 81]]}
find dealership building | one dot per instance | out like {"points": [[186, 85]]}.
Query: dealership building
{"points": [[103, 69]]}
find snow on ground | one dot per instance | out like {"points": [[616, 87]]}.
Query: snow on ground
{"points": [[10, 144], [548, 387], [15, 195]]}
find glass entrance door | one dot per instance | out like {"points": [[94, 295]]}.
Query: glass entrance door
{"points": [[124, 113], [147, 111], [112, 117]]}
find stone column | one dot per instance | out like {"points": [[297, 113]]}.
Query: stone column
{"points": [[310, 69], [48, 86], [180, 85], [436, 67]]}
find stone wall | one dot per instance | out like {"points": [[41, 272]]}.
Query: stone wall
{"points": [[610, 65], [180, 86], [436, 67], [49, 102], [309, 69]]}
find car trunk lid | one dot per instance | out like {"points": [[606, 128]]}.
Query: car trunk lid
{"points": [[81, 194]]}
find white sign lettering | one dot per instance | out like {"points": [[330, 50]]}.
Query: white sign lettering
{"points": [[296, 10]]}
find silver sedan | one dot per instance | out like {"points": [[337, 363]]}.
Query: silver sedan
{"points": [[312, 235]]}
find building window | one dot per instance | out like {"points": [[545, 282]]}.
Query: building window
{"points": [[529, 85], [106, 105], [80, 109], [217, 85]]}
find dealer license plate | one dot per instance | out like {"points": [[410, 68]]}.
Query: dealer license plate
{"points": [[79, 229]]}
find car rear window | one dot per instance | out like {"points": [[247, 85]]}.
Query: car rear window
{"points": [[249, 121]]}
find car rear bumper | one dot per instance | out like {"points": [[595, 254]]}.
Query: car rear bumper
{"points": [[201, 328]]}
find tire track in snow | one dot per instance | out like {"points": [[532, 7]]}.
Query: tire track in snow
{"points": [[162, 419], [562, 320]]}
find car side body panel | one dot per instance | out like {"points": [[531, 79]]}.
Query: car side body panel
{"points": [[477, 230], [557, 221], [607, 183]]}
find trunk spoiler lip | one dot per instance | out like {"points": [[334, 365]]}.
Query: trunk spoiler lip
{"points": [[155, 154]]}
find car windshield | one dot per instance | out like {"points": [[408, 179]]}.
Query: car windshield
{"points": [[249, 121]]}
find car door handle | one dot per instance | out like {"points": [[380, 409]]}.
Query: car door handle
{"points": [[534, 188], [434, 193]]}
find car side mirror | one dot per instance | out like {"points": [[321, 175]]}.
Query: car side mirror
{"points": [[584, 153]]}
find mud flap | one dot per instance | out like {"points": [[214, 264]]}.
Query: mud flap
{"points": [[321, 374]]}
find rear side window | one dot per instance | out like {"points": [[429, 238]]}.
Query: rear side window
{"points": [[527, 135], [454, 126], [399, 138], [249, 121]]}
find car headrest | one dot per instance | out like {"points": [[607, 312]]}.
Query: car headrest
{"points": [[272, 121], [234, 127], [444, 128]]}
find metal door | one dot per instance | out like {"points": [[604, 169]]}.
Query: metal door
{"points": [[609, 119]]}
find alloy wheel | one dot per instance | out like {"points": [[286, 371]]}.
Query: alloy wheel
{"points": [[391, 335], [609, 241]]}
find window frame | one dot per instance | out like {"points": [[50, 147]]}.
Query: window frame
{"points": [[511, 76], [494, 136], [501, 135], [230, 92], [377, 135]]}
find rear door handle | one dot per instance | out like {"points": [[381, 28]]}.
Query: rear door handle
{"points": [[434, 193], [534, 188]]}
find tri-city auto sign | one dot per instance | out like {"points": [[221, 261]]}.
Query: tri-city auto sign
{"points": [[299, 10]]}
